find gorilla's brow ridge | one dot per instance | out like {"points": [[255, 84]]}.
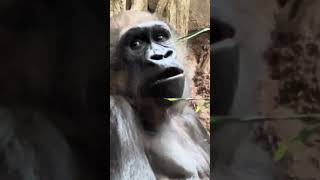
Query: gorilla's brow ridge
{"points": [[146, 25]]}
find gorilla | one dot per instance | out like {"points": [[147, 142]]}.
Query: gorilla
{"points": [[52, 90], [151, 137]]}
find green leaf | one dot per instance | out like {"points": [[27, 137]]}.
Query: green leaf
{"points": [[213, 120], [197, 109], [172, 99], [305, 133], [280, 151], [206, 104]]}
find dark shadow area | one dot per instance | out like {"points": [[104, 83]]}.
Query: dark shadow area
{"points": [[225, 66], [221, 31], [52, 90]]}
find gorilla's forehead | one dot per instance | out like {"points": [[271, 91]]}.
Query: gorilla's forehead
{"points": [[147, 24], [152, 23]]}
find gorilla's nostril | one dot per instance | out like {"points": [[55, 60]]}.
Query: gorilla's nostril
{"points": [[156, 57], [169, 53]]}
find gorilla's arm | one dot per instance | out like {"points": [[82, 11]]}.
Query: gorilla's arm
{"points": [[127, 156]]}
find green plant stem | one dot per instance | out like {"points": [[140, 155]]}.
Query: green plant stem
{"points": [[194, 34], [267, 118], [186, 99]]}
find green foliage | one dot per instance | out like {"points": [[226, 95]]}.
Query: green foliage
{"points": [[280, 151], [302, 137], [305, 133], [187, 99], [283, 147], [197, 107]]}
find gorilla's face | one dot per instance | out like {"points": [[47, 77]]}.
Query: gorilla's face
{"points": [[148, 52]]}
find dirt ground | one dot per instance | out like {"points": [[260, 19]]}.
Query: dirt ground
{"points": [[200, 59], [293, 87]]}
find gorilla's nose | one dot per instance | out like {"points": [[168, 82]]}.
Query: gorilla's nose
{"points": [[161, 56], [157, 57]]}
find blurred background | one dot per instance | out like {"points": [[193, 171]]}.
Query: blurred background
{"points": [[274, 129]]}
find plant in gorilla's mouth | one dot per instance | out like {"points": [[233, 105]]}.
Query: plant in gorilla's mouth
{"points": [[207, 100], [192, 35]]}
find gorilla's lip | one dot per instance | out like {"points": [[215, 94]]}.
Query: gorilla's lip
{"points": [[168, 79], [168, 83], [169, 74]]}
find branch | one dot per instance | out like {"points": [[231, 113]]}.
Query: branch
{"points": [[265, 118]]}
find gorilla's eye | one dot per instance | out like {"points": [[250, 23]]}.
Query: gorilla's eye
{"points": [[161, 37], [136, 44]]}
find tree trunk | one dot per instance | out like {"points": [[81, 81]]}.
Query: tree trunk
{"points": [[139, 5], [176, 13]]}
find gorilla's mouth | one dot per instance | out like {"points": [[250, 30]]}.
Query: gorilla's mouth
{"points": [[167, 84], [169, 74]]}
